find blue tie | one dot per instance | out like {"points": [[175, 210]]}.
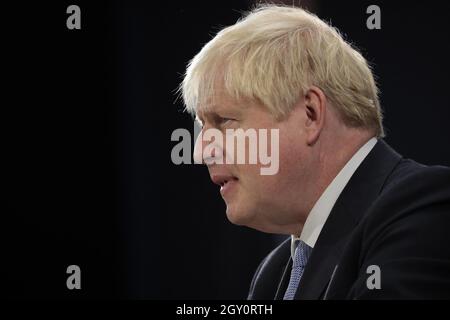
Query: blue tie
{"points": [[301, 256]]}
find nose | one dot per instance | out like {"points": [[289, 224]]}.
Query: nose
{"points": [[198, 149], [208, 148]]}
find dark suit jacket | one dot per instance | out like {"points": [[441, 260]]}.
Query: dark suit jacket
{"points": [[393, 213]]}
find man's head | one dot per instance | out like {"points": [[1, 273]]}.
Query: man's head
{"points": [[283, 68]]}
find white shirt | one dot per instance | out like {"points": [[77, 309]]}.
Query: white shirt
{"points": [[319, 213]]}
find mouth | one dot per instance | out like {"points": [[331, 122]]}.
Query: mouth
{"points": [[222, 180], [226, 182]]}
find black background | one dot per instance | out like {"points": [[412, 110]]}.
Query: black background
{"points": [[87, 117]]}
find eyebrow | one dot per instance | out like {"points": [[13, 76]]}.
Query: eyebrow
{"points": [[216, 110]]}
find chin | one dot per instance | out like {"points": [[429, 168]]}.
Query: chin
{"points": [[233, 216], [237, 216], [241, 216], [248, 218]]}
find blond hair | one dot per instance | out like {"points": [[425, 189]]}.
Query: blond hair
{"points": [[273, 55]]}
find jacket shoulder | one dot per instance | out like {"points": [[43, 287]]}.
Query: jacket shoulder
{"points": [[411, 191], [417, 177], [403, 233], [412, 186]]}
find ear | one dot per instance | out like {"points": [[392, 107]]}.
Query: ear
{"points": [[315, 109]]}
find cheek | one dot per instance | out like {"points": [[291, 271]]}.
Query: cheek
{"points": [[249, 174], [292, 149], [289, 164], [291, 168], [257, 187], [252, 184]]}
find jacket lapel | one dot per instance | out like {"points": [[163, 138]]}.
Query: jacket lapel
{"points": [[361, 190], [282, 286]]}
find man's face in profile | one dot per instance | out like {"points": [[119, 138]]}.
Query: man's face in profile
{"points": [[264, 202]]}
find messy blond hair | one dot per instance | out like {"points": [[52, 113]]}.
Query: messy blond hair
{"points": [[274, 55]]}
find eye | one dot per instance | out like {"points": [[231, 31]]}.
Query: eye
{"points": [[225, 121]]}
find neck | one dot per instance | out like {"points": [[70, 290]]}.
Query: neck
{"points": [[329, 157]]}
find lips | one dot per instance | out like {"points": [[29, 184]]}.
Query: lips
{"points": [[226, 183], [222, 180]]}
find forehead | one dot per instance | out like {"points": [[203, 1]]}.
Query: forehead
{"points": [[221, 104]]}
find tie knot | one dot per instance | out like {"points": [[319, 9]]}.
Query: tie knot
{"points": [[301, 255]]}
